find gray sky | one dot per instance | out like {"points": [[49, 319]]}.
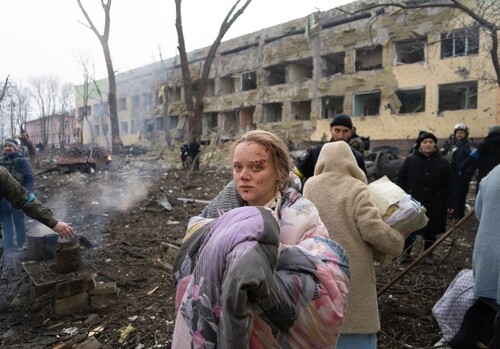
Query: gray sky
{"points": [[45, 37]]}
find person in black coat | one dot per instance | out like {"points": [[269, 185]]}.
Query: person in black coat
{"points": [[456, 156], [194, 151], [427, 176]]}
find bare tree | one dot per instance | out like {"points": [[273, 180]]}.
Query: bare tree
{"points": [[195, 107], [45, 91], [84, 92], [66, 98], [485, 14], [4, 89], [104, 40]]}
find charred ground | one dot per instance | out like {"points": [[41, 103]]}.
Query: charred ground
{"points": [[132, 213]]}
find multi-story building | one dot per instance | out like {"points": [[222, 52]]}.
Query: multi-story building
{"points": [[59, 129], [396, 72]]}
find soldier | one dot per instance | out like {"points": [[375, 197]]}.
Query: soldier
{"points": [[341, 129], [19, 198], [184, 155], [12, 219], [456, 156]]}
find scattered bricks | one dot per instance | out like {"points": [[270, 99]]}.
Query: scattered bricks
{"points": [[104, 288], [69, 288], [103, 302], [73, 304], [89, 343], [38, 291]]}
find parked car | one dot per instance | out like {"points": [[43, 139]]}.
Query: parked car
{"points": [[383, 161]]}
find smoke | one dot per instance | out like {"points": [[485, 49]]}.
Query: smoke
{"points": [[89, 202]]}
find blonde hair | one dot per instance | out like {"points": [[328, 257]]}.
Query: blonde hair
{"points": [[277, 149]]}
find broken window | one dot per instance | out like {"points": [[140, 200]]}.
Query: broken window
{"points": [[96, 130], [174, 94], [173, 121], [249, 81], [246, 118], [105, 129], [136, 102], [300, 70], [81, 112], [412, 100], [332, 64], [123, 127], [369, 58], [301, 110], [230, 121], [271, 112], [460, 42], [210, 91], [331, 106], [366, 104], [458, 96], [410, 51], [209, 123], [226, 85], [275, 75], [160, 123]]}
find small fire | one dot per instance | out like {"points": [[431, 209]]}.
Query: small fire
{"points": [[110, 158]]}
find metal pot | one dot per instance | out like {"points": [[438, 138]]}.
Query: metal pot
{"points": [[41, 246], [67, 255]]}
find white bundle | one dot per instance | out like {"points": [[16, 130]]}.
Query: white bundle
{"points": [[397, 208]]}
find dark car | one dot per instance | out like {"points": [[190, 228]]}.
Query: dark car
{"points": [[383, 161]]}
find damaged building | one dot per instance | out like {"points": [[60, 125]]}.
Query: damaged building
{"points": [[396, 72]]}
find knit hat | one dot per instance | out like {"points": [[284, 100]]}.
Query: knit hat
{"points": [[341, 120], [11, 142], [426, 135]]}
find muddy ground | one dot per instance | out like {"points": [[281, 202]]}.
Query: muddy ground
{"points": [[129, 216]]}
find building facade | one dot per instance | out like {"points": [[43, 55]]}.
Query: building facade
{"points": [[395, 72], [59, 130]]}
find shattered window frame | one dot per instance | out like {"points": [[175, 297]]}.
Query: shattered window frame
{"points": [[363, 104], [460, 42], [276, 74], [209, 123], [410, 51], [458, 96], [412, 100], [249, 81], [301, 110], [272, 112], [377, 54], [226, 85], [332, 64], [331, 106]]}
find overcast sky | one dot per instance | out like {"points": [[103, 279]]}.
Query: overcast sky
{"points": [[46, 37]]}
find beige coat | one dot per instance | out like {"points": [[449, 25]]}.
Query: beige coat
{"points": [[339, 191]]}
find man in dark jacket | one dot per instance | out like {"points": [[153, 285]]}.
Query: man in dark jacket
{"points": [[19, 198], [194, 151], [12, 219], [456, 156], [485, 157], [341, 129]]}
